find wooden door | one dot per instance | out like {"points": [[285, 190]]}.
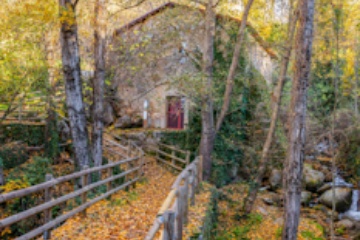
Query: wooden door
{"points": [[175, 113]]}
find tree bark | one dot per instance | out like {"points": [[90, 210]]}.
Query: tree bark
{"points": [[233, 67], [73, 83], [207, 115], [275, 113], [356, 97], [99, 80], [2, 177], [297, 120]]}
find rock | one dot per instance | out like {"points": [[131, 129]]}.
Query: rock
{"points": [[123, 122], [313, 178], [268, 201], [108, 116], [343, 198], [272, 199], [328, 177], [324, 188], [64, 130], [279, 221], [137, 121], [329, 214], [305, 197], [275, 178], [262, 210], [345, 224], [263, 189]]}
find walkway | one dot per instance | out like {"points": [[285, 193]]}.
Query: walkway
{"points": [[128, 215]]}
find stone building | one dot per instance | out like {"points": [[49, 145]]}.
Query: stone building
{"points": [[151, 55]]}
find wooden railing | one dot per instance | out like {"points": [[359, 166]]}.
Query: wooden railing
{"points": [[173, 214], [171, 156], [131, 168]]}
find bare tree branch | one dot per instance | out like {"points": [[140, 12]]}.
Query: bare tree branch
{"points": [[75, 3]]}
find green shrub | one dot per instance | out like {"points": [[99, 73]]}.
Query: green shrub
{"points": [[34, 172], [13, 155], [23, 176], [32, 135], [211, 216]]}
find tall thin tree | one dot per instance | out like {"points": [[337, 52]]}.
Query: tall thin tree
{"points": [[297, 119], [73, 84], [233, 66], [99, 80], [207, 113], [275, 113]]}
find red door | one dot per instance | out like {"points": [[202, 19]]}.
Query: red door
{"points": [[175, 113]]}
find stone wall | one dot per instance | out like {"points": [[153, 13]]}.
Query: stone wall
{"points": [[149, 58]]}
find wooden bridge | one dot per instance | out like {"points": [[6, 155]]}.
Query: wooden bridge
{"points": [[127, 165]]}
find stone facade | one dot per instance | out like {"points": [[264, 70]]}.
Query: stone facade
{"points": [[150, 54]]}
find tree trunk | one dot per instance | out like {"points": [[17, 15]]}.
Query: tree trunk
{"points": [[233, 67], [297, 120], [2, 177], [99, 80], [275, 113], [356, 97], [73, 83], [207, 115]]}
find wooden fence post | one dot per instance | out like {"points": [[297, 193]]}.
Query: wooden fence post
{"points": [[179, 215], [157, 154], [186, 199], [133, 174], [109, 175], [188, 153], [192, 182], [169, 222], [84, 182], [47, 212], [173, 157], [129, 148], [200, 168], [20, 110], [141, 170]]}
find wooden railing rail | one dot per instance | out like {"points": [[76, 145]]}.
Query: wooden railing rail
{"points": [[132, 168], [173, 214], [42, 186], [171, 156]]}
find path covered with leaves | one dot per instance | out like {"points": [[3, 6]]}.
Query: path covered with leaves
{"points": [[127, 215]]}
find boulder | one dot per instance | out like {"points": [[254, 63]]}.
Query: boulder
{"points": [[137, 121], [123, 122], [305, 197], [64, 130], [275, 178], [343, 198], [313, 178], [108, 116], [345, 224]]}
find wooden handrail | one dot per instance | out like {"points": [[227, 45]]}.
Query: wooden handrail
{"points": [[175, 217], [42, 207], [75, 211], [42, 186], [169, 163], [169, 155], [173, 148], [167, 202], [134, 165]]}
